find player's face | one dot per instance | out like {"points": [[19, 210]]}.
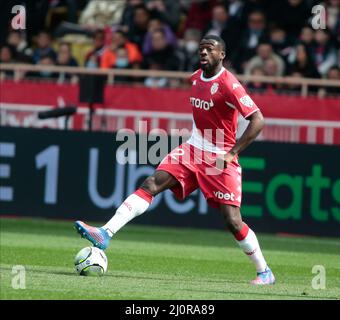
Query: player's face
{"points": [[211, 55]]}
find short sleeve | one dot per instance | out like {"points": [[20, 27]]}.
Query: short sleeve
{"points": [[239, 98]]}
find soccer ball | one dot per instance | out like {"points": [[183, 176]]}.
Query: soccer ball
{"points": [[91, 261]]}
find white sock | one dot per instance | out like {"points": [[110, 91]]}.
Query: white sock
{"points": [[133, 206], [251, 248]]}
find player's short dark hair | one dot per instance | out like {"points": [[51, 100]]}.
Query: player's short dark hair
{"points": [[218, 39]]}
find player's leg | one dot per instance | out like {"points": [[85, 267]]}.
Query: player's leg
{"points": [[138, 202], [248, 242], [224, 191], [133, 206]]}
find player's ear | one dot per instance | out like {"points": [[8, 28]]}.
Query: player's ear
{"points": [[222, 55]]}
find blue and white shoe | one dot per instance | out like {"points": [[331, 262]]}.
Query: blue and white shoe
{"points": [[264, 278], [98, 236]]}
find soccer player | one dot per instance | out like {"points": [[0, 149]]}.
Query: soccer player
{"points": [[208, 160]]}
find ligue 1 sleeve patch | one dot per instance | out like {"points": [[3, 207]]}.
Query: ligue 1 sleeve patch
{"points": [[247, 101], [235, 86]]}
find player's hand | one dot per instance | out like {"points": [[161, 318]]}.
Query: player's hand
{"points": [[223, 160]]}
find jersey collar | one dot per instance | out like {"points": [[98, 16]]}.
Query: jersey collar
{"points": [[212, 78]]}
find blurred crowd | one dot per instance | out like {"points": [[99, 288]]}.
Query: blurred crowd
{"points": [[263, 37]]}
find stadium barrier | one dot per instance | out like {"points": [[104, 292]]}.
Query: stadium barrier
{"points": [[288, 118], [279, 130], [19, 71], [287, 188]]}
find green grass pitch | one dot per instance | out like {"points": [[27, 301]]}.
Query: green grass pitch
{"points": [[161, 263]]}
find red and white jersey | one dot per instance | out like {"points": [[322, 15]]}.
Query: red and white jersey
{"points": [[216, 103]]}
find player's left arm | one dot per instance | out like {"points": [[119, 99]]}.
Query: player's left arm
{"points": [[255, 126], [239, 98]]}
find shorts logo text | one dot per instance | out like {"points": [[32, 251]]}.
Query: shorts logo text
{"points": [[225, 196]]}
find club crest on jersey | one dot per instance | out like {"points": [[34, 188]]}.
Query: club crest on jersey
{"points": [[247, 101], [201, 104], [214, 88]]}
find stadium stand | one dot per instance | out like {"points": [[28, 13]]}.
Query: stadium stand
{"points": [[155, 34], [271, 46]]}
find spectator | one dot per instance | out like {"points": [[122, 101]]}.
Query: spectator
{"points": [[92, 62], [333, 74], [257, 86], [294, 88], [119, 39], [155, 82], [65, 59], [149, 26], [307, 37], [324, 53], [302, 62], [93, 57], [254, 33], [162, 53], [265, 52], [270, 67], [64, 56], [167, 10], [218, 20], [45, 60], [154, 24], [189, 49], [22, 52], [139, 27], [126, 22], [280, 43], [7, 53], [122, 62], [44, 48], [223, 26]]}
